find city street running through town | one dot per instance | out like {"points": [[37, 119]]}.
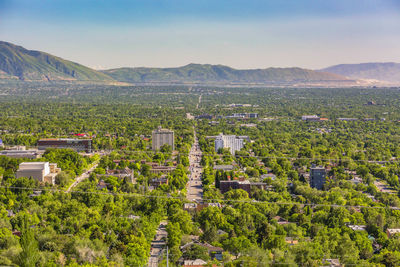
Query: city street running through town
{"points": [[194, 186]]}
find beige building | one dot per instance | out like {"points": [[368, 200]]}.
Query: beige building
{"points": [[44, 172], [161, 137]]}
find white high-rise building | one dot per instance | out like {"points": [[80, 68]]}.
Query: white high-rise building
{"points": [[161, 137], [233, 142]]}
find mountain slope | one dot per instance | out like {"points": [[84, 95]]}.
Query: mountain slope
{"points": [[220, 74], [389, 72], [17, 62]]}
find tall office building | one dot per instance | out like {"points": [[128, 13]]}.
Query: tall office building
{"points": [[233, 142], [317, 177], [161, 137]]}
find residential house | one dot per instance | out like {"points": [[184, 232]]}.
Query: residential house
{"points": [[391, 232], [194, 263], [280, 220], [156, 182], [214, 252]]}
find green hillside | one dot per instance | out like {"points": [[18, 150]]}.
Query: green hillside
{"points": [[221, 74], [17, 62]]}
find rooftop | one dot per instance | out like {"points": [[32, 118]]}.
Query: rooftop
{"points": [[159, 129], [357, 227], [63, 139], [196, 262], [32, 165]]}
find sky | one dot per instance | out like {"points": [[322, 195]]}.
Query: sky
{"points": [[243, 34]]}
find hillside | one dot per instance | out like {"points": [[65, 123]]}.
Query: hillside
{"points": [[388, 72], [199, 73], [17, 62]]}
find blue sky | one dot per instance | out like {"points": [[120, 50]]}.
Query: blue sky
{"points": [[238, 33]]}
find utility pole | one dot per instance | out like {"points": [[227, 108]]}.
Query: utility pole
{"points": [[167, 256]]}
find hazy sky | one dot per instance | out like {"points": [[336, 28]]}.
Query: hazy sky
{"points": [[238, 33]]}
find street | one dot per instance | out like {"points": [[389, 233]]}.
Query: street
{"points": [[81, 177], [194, 186], [158, 245]]}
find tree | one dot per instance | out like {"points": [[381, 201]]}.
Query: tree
{"points": [[165, 148], [62, 179], [236, 194], [197, 252], [30, 252]]}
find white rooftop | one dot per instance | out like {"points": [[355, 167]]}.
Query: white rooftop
{"points": [[32, 165], [194, 262]]}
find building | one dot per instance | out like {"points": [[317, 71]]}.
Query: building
{"points": [[15, 147], [190, 206], [224, 167], [162, 169], [204, 116], [228, 185], [194, 263], [291, 241], [156, 182], [355, 227], [120, 173], [268, 175], [331, 263], [213, 252], [280, 220], [243, 116], [249, 125], [44, 172], [317, 177], [310, 118], [391, 232], [28, 154], [161, 137], [347, 119], [233, 142], [76, 144]]}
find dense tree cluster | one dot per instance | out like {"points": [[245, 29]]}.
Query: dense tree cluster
{"points": [[110, 220]]}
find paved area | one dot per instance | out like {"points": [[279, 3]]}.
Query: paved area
{"points": [[158, 245], [81, 177], [194, 186]]}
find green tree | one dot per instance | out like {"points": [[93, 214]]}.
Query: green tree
{"points": [[30, 252]]}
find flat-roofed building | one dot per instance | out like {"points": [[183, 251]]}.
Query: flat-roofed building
{"points": [[224, 167], [347, 119], [162, 169], [44, 172], [76, 144], [233, 142], [161, 137], [310, 118], [317, 177], [28, 154]]}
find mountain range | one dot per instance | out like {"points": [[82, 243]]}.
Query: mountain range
{"points": [[205, 73], [387, 72], [18, 63]]}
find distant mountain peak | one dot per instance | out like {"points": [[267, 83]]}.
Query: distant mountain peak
{"points": [[379, 71]]}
